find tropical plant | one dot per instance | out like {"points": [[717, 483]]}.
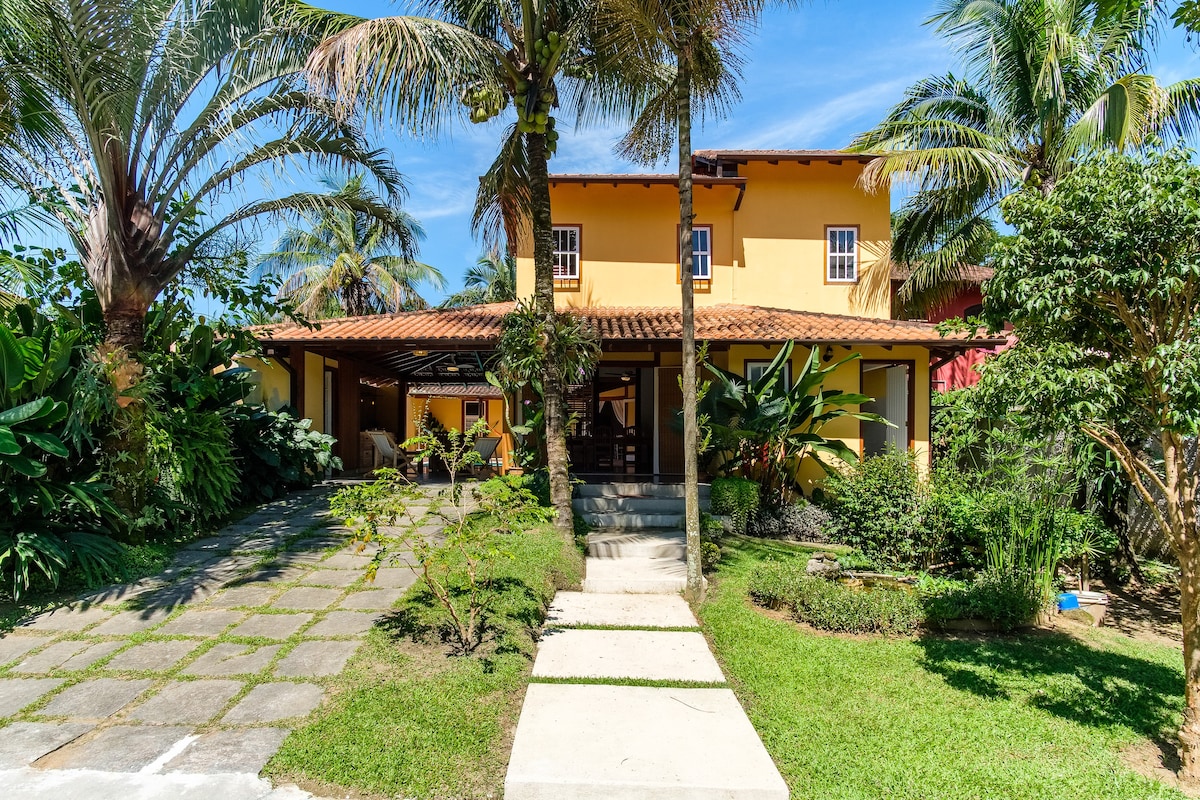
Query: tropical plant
{"points": [[763, 429], [493, 279], [347, 262], [157, 109], [1044, 82], [736, 498], [1101, 285], [277, 451]]}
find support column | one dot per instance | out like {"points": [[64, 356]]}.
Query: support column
{"points": [[348, 424]]}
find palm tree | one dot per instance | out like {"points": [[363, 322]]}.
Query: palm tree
{"points": [[687, 51], [160, 112], [1044, 83], [477, 57], [342, 262], [493, 279]]}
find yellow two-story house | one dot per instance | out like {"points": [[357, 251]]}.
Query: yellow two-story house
{"points": [[787, 247]]}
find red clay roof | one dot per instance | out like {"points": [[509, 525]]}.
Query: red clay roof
{"points": [[480, 325], [646, 179]]}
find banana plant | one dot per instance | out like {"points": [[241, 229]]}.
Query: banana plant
{"points": [[763, 429]]}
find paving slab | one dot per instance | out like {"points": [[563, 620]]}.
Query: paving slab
{"points": [[621, 610], [152, 656], [85, 658], [26, 742], [132, 622], [28, 783], [347, 561], [13, 647], [238, 750], [300, 558], [307, 598], [232, 659], [314, 659], [16, 693], [394, 578], [372, 599], [633, 575], [270, 702], [278, 573], [645, 655], [200, 623], [214, 544], [121, 748], [343, 623], [239, 596], [95, 699], [193, 558], [184, 592], [259, 544], [324, 541], [332, 577], [52, 656], [68, 618], [187, 702], [121, 592], [587, 742], [272, 626]]}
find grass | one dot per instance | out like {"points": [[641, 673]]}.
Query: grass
{"points": [[1037, 715], [405, 719]]}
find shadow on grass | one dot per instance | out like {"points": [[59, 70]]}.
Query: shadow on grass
{"points": [[1063, 676]]}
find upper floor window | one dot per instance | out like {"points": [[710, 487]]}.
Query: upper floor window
{"points": [[756, 369], [701, 253], [566, 252], [841, 255]]}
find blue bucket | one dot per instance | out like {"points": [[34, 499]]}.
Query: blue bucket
{"points": [[1067, 601]]}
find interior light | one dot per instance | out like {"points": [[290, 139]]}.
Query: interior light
{"points": [[451, 369], [420, 352], [626, 378]]}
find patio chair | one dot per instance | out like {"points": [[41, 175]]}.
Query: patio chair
{"points": [[486, 447], [387, 450]]}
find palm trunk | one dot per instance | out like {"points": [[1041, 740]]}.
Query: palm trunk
{"points": [[552, 379], [1180, 517], [125, 446], [694, 591]]}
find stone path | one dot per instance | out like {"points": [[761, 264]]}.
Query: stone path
{"points": [[185, 684]]}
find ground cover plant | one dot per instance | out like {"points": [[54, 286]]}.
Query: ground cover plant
{"points": [[1036, 716]]}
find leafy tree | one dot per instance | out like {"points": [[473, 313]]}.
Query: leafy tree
{"points": [[344, 262], [1102, 285], [476, 58], [686, 54], [1043, 82], [493, 279]]}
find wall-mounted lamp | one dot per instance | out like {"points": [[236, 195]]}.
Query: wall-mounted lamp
{"points": [[827, 356]]}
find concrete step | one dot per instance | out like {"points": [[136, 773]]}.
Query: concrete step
{"points": [[640, 655], [634, 505], [638, 544], [628, 610], [634, 575], [588, 742], [635, 490], [625, 521]]}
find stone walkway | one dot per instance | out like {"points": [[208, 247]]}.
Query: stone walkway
{"points": [[187, 683]]}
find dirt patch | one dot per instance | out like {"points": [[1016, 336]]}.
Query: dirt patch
{"points": [[1158, 760], [1148, 614]]}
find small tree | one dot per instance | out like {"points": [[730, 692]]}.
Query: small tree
{"points": [[1102, 286]]}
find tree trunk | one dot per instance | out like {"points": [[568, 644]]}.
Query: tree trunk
{"points": [[552, 378], [125, 447], [694, 591], [1180, 517]]}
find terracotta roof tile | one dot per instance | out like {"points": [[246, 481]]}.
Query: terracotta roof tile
{"points": [[720, 323]]}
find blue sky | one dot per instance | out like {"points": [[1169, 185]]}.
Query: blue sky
{"points": [[814, 77]]}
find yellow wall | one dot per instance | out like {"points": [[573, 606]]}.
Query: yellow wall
{"points": [[449, 412], [314, 390], [771, 252], [275, 382]]}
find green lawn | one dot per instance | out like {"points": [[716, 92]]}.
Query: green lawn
{"points": [[1038, 715], [408, 720]]}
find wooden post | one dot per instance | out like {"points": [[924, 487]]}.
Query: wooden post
{"points": [[348, 424]]}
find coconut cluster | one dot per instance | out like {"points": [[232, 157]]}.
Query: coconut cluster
{"points": [[485, 102]]}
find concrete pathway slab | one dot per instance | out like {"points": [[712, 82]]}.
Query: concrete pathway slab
{"points": [[314, 659], [271, 702], [586, 742], [645, 655], [95, 699], [68, 618], [13, 647], [343, 623], [332, 577], [52, 656], [372, 599], [307, 598], [128, 622], [84, 784], [91, 655], [243, 596], [23, 743], [621, 610], [200, 623], [351, 561], [634, 575], [238, 750], [272, 626], [187, 702], [16, 693], [121, 748], [151, 656], [228, 658], [394, 578]]}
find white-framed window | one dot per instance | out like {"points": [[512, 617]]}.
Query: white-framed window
{"points": [[841, 254], [701, 253], [566, 252], [755, 369]]}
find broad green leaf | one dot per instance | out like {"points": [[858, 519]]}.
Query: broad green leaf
{"points": [[26, 411], [48, 442]]}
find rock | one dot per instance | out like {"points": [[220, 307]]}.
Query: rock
{"points": [[825, 569]]}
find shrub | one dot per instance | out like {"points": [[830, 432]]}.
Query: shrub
{"points": [[877, 508], [831, 606], [1006, 599], [736, 498], [710, 555], [193, 454], [279, 451], [801, 521]]}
